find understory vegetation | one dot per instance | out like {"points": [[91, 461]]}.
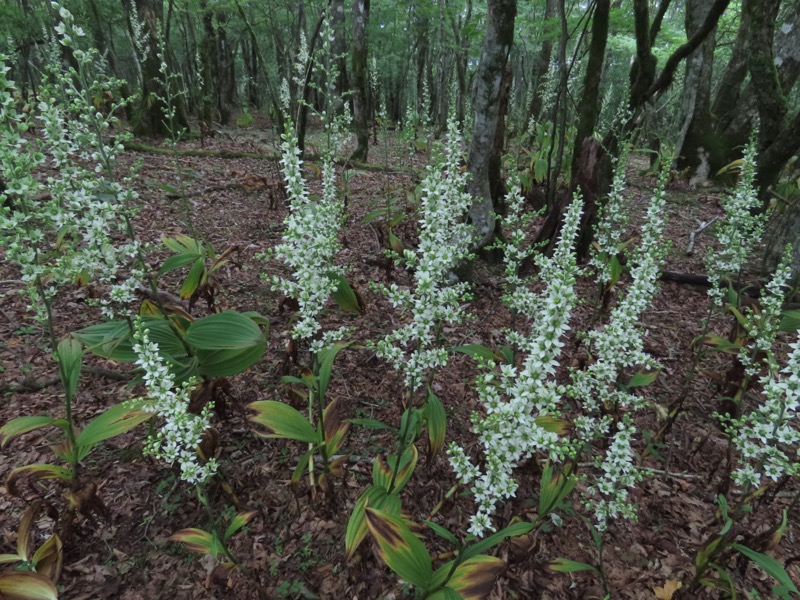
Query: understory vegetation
{"points": [[257, 364]]}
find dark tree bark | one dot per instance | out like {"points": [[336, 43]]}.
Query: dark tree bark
{"points": [[729, 90], [462, 55], [488, 82], [359, 77], [697, 147], [542, 64], [339, 46], [150, 118], [589, 106], [784, 229]]}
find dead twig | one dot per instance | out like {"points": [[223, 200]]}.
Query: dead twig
{"points": [[702, 226]]}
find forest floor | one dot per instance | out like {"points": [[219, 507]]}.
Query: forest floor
{"points": [[295, 546]]}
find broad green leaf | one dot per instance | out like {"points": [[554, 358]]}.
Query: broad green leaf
{"points": [[9, 558], [445, 593], [302, 465], [23, 585], [772, 567], [176, 262], [400, 549], [487, 543], [346, 297], [356, 525], [564, 565], [49, 558], [395, 243], [16, 427], [326, 358], [25, 529], [195, 540], [615, 270], [192, 281], [474, 578], [442, 532], [371, 424], [183, 244], [551, 424], [112, 340], [553, 488], [39, 471], [70, 360], [790, 321], [383, 470], [227, 330], [720, 343], [479, 351], [225, 363], [356, 531], [113, 422], [335, 431], [284, 421], [540, 169], [239, 521], [642, 378], [437, 422]]}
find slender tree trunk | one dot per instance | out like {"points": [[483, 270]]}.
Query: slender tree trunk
{"points": [[150, 118], [542, 64], [697, 147], [359, 75], [488, 83]]}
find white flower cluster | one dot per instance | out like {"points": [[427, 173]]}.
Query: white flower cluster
{"points": [[310, 241], [444, 240], [181, 433], [768, 439], [515, 398], [762, 325], [67, 228], [617, 346], [612, 222], [516, 249], [740, 229]]}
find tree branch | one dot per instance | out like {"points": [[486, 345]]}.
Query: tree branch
{"points": [[668, 72]]}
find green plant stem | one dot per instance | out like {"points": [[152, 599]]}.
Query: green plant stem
{"points": [[402, 449]]}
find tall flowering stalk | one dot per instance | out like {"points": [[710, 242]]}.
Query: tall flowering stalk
{"points": [[310, 241], [740, 229], [435, 298], [617, 346], [764, 436], [519, 403], [66, 228], [178, 438], [612, 223]]}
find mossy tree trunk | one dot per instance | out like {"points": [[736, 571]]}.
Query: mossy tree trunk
{"points": [[542, 64], [696, 147], [488, 83], [150, 118]]}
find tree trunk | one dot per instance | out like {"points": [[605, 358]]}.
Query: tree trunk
{"points": [[782, 230], [359, 76], [542, 64], [723, 109], [589, 107], [339, 47], [697, 147], [488, 83], [150, 118], [738, 107]]}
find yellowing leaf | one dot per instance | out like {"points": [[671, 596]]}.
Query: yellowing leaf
{"points": [[666, 592]]}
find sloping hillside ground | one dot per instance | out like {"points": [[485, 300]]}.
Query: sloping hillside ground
{"points": [[294, 548]]}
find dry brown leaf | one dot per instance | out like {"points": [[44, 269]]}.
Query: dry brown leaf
{"points": [[666, 592]]}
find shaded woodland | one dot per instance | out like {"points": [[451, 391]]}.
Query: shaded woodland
{"points": [[427, 299]]}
